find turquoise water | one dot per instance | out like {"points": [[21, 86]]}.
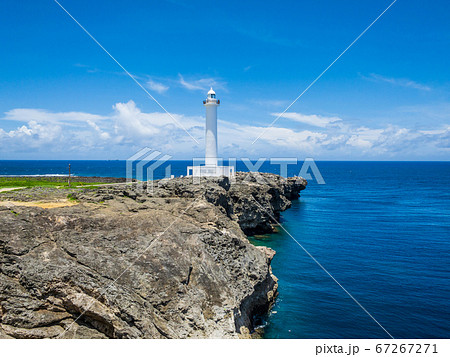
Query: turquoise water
{"points": [[380, 228]]}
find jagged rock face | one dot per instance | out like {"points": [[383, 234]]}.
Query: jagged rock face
{"points": [[272, 193], [172, 263]]}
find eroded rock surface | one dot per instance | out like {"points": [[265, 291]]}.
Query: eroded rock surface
{"points": [[127, 263]]}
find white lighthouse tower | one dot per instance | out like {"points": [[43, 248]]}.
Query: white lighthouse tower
{"points": [[211, 167], [211, 103]]}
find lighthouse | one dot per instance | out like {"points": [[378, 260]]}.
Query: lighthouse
{"points": [[211, 103], [211, 166]]}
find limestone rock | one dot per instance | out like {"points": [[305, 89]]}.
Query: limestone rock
{"points": [[129, 262]]}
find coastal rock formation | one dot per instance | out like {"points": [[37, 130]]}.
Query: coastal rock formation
{"points": [[136, 262]]}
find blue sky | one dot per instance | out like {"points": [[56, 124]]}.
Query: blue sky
{"points": [[387, 98]]}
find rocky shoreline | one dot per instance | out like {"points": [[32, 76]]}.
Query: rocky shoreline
{"points": [[171, 262]]}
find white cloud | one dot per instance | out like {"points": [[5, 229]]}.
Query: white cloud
{"points": [[314, 120], [201, 84], [128, 128], [103, 135], [131, 122], [156, 86], [41, 116], [364, 138], [402, 82], [439, 131], [31, 137]]}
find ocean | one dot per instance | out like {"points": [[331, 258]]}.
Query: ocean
{"points": [[381, 229]]}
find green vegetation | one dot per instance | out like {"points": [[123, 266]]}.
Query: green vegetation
{"points": [[59, 182], [71, 198]]}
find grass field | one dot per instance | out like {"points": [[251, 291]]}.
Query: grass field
{"points": [[61, 182]]}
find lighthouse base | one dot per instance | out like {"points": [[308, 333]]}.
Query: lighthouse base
{"points": [[210, 170]]}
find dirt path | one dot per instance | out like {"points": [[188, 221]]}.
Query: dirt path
{"points": [[42, 204], [10, 189]]}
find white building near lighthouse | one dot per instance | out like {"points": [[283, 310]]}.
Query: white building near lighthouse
{"points": [[211, 167]]}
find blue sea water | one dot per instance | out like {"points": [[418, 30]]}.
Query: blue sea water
{"points": [[381, 229]]}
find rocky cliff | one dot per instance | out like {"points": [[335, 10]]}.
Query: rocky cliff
{"points": [[130, 262]]}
